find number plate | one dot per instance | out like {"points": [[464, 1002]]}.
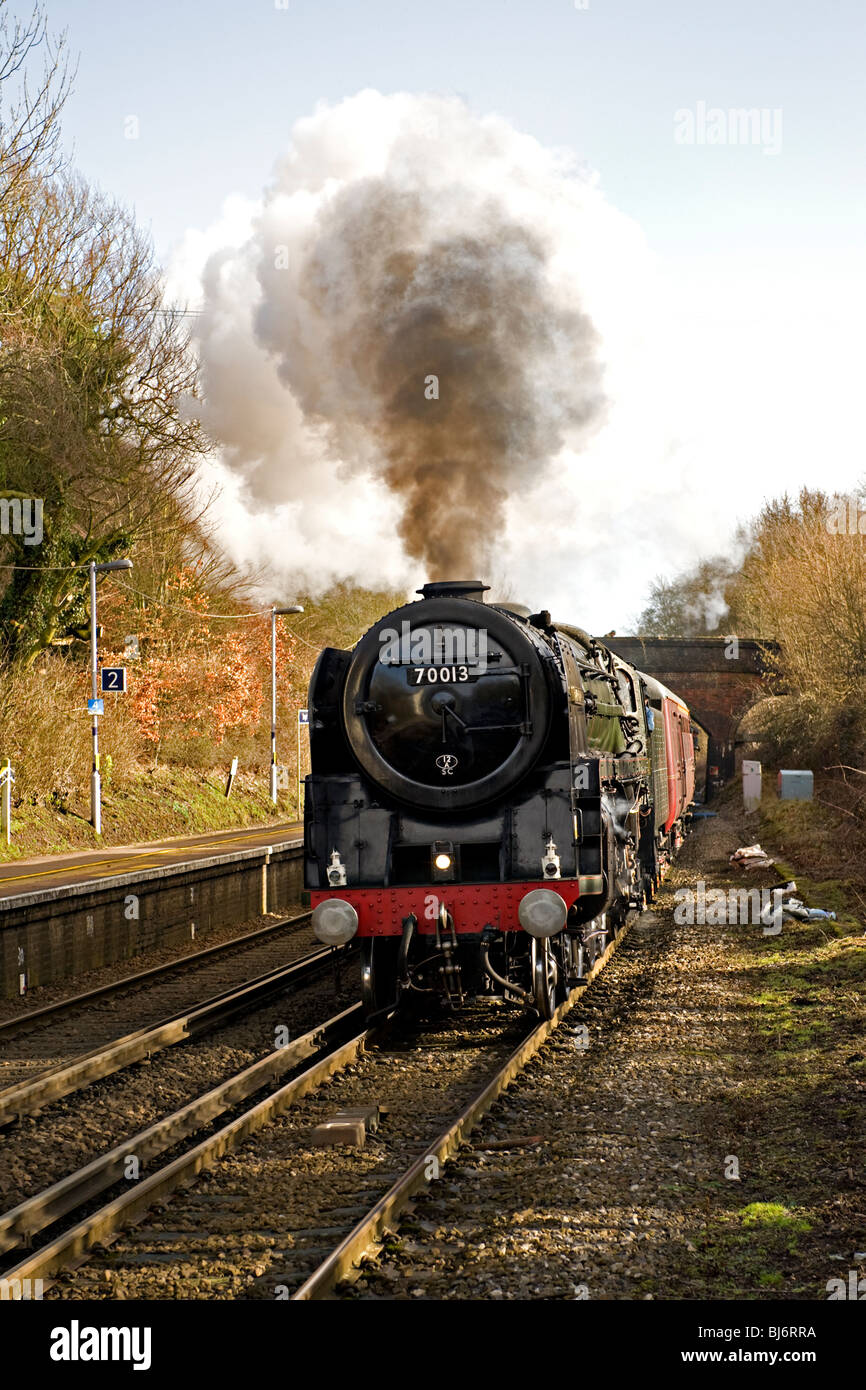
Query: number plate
{"points": [[440, 675], [113, 679]]}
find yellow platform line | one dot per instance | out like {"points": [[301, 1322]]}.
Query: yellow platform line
{"points": [[134, 858]]}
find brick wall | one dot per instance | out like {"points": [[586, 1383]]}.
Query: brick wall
{"points": [[717, 687]]}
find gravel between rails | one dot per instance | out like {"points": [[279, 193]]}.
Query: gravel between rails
{"points": [[606, 1176], [93, 1025], [256, 1224], [66, 1134]]}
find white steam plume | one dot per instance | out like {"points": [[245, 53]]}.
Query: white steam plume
{"points": [[404, 237]]}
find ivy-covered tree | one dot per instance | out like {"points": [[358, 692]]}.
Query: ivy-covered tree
{"points": [[97, 419], [98, 425]]}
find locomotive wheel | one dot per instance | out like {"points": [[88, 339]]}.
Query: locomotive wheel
{"points": [[379, 973], [545, 977]]}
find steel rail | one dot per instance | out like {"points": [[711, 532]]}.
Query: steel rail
{"points": [[21, 1022], [34, 1214], [67, 1077], [102, 1226], [364, 1237]]}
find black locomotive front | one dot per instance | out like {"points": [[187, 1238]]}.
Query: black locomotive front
{"points": [[457, 819], [447, 708]]}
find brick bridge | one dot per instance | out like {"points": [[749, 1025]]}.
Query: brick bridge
{"points": [[718, 677]]}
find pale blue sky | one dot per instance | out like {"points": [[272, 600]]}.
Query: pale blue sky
{"points": [[757, 256], [217, 85]]}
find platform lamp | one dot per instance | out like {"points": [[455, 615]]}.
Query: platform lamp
{"points": [[282, 612], [95, 784]]}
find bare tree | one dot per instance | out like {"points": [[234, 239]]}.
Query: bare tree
{"points": [[30, 105]]}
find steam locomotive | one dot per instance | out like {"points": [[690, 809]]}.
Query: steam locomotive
{"points": [[491, 792]]}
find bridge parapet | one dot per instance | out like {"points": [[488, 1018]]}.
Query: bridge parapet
{"points": [[658, 656]]}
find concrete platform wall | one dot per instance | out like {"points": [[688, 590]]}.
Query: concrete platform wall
{"points": [[55, 934]]}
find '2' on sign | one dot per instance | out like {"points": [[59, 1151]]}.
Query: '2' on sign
{"points": [[113, 679]]}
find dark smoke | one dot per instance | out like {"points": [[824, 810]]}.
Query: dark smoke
{"points": [[394, 302]]}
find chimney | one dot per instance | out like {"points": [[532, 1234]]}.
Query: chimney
{"points": [[455, 588]]}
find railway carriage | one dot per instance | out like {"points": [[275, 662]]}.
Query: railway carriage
{"points": [[490, 793]]}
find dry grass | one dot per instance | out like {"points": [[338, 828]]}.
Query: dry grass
{"points": [[45, 732], [804, 583], [45, 728]]}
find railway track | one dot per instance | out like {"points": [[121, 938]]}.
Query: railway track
{"points": [[335, 1040], [67, 1116], [71, 1076], [248, 1227], [61, 1033], [217, 964], [368, 1232]]}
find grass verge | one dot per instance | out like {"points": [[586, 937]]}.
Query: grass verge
{"points": [[167, 801]]}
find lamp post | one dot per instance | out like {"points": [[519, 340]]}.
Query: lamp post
{"points": [[95, 785], [283, 612]]}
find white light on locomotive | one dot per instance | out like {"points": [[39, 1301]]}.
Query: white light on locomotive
{"points": [[550, 861], [335, 922], [336, 871], [442, 861], [542, 912]]}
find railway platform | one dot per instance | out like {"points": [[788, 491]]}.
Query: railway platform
{"points": [[83, 866], [64, 915]]}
